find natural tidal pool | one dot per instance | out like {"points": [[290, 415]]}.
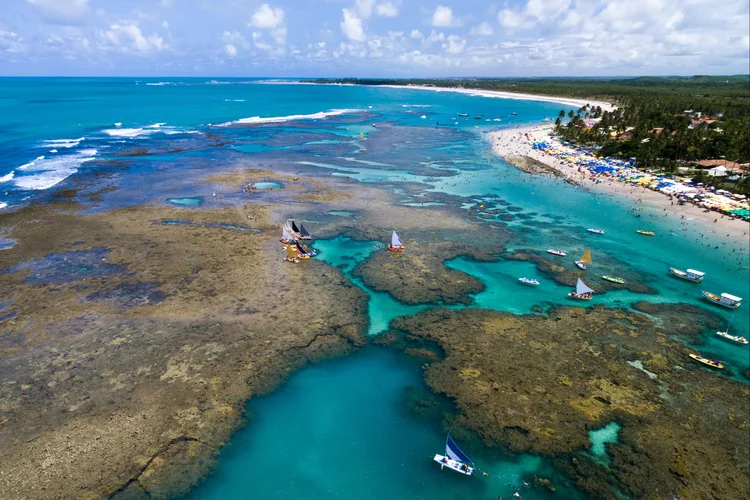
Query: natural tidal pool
{"points": [[267, 185], [366, 427], [186, 202]]}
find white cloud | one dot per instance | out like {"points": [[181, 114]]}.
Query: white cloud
{"points": [[61, 11], [455, 45], [351, 26], [442, 17], [416, 34], [482, 29], [230, 50], [546, 10], [267, 17], [386, 9], [512, 21], [126, 36], [435, 37]]}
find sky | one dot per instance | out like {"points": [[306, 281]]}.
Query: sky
{"points": [[374, 38]]}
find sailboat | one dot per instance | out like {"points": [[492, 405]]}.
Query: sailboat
{"points": [[301, 253], [734, 338], [585, 259], [295, 229], [582, 291], [303, 234], [286, 237], [396, 245], [291, 254], [454, 458]]}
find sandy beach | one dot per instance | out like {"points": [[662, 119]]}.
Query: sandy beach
{"points": [[512, 143]]}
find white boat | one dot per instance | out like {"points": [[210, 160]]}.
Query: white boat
{"points": [[556, 252], [725, 299], [286, 236], [528, 281], [585, 259], [454, 458], [546, 119], [595, 231], [733, 338], [582, 291], [690, 275]]}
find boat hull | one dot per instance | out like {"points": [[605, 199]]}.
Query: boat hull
{"points": [[557, 252], [614, 279], [683, 275], [453, 464], [707, 362], [395, 249], [732, 338], [715, 299], [578, 297], [528, 283], [595, 231], [580, 264]]}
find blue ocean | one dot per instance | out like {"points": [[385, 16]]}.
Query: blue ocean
{"points": [[344, 429]]}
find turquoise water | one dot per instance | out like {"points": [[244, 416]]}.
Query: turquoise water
{"points": [[157, 142], [348, 429], [600, 437], [267, 185]]}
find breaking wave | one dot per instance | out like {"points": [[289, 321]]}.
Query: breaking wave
{"points": [[281, 119]]}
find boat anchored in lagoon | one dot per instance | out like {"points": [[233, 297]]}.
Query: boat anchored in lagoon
{"points": [[725, 300], [454, 458], [645, 233], [732, 338], [585, 259], [614, 279], [396, 245], [582, 291], [690, 275], [528, 281], [708, 362], [595, 231], [559, 253]]}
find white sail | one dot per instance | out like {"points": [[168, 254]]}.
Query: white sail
{"points": [[285, 234], [582, 288], [395, 242]]}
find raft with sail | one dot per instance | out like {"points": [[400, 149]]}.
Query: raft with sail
{"points": [[396, 245], [303, 234], [291, 255], [582, 291], [585, 259], [455, 459]]}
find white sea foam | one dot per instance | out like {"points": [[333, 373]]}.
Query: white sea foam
{"points": [[156, 128], [281, 119], [53, 151], [7, 177], [51, 171], [416, 106], [118, 124], [159, 84], [29, 165], [62, 143], [234, 100], [3, 205]]}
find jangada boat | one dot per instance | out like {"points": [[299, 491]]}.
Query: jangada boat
{"points": [[396, 245], [301, 253], [303, 234], [585, 259], [291, 254], [528, 281], [690, 275], [286, 236], [454, 458], [724, 300], [595, 231], [582, 291], [614, 279], [645, 233], [556, 252], [707, 362], [733, 338]]}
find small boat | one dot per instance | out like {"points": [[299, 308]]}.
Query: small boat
{"points": [[286, 237], [463, 115], [310, 251], [546, 119], [707, 362], [396, 245], [585, 259], [301, 253], [454, 458], [303, 234], [690, 275], [645, 233], [733, 338], [614, 279], [725, 299], [595, 231], [291, 255], [528, 281], [478, 117], [514, 113], [582, 291], [556, 252], [294, 227]]}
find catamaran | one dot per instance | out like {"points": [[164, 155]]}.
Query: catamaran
{"points": [[556, 252], [455, 458], [396, 245], [528, 281], [645, 233], [707, 362], [725, 299], [595, 231], [582, 291], [303, 234], [734, 338], [690, 275], [614, 279], [585, 259]]}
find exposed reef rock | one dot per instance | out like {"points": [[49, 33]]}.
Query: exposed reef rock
{"points": [[130, 347], [532, 166], [540, 383]]}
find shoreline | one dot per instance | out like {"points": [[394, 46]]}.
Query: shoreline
{"points": [[510, 144]]}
